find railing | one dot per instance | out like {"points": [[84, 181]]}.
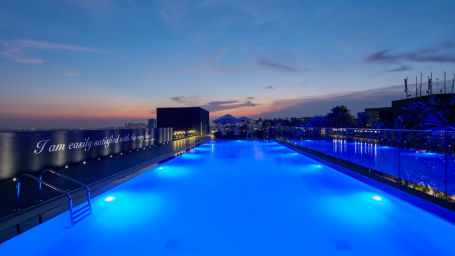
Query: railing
{"points": [[422, 159], [87, 189], [75, 216], [70, 200]]}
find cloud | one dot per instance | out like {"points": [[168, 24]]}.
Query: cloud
{"points": [[227, 104], [400, 68], [274, 65], [183, 100], [72, 73], [269, 87], [319, 105], [14, 53], [179, 99], [214, 106], [15, 49], [442, 53]]}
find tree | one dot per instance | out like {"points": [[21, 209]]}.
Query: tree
{"points": [[362, 120], [340, 116]]}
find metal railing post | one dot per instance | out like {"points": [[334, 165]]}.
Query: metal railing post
{"points": [[70, 200]]}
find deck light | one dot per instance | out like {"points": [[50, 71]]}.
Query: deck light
{"points": [[84, 162], [377, 198], [66, 166], [14, 179], [109, 199]]}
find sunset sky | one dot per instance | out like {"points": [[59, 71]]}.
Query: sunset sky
{"points": [[79, 63]]}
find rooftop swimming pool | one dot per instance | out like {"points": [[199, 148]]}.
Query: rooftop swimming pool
{"points": [[242, 198]]}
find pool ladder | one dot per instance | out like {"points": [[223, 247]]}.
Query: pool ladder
{"points": [[75, 216]]}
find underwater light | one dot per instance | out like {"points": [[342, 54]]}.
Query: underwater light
{"points": [[109, 199], [161, 168], [377, 198]]}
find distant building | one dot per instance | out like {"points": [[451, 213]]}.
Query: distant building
{"points": [[192, 120], [151, 123], [391, 113], [135, 125]]}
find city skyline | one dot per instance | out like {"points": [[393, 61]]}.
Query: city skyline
{"points": [[78, 63]]}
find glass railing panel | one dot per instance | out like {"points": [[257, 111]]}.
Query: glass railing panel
{"points": [[450, 164], [422, 160]]}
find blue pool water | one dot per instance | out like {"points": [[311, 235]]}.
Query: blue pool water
{"points": [[424, 168], [242, 198]]}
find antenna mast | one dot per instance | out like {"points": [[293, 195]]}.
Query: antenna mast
{"points": [[420, 90], [406, 87]]}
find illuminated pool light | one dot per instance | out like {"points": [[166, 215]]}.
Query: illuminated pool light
{"points": [[203, 149], [160, 168], [377, 198], [190, 156], [109, 199], [291, 154]]}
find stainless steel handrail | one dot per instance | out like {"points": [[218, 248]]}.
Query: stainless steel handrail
{"points": [[87, 189], [70, 200]]}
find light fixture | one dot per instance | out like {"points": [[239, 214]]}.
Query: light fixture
{"points": [[109, 199], [377, 198], [66, 166], [14, 179]]}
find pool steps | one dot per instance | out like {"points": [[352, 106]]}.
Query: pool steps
{"points": [[75, 216]]}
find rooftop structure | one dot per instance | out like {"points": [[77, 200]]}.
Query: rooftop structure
{"points": [[390, 113], [191, 119]]}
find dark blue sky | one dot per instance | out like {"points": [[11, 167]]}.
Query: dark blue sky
{"points": [[100, 59]]}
